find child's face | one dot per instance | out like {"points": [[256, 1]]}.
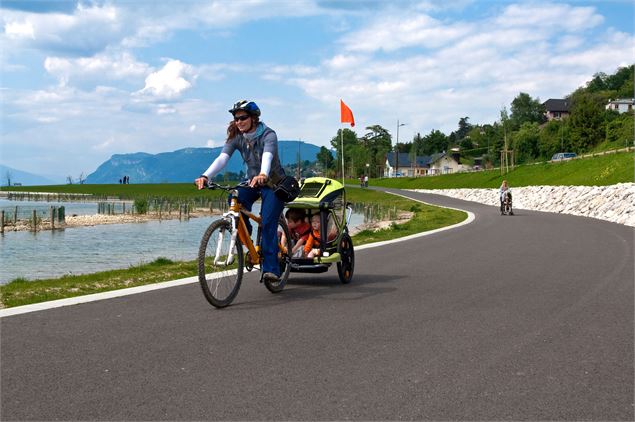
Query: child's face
{"points": [[292, 224], [315, 222]]}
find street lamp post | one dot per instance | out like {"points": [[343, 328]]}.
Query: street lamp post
{"points": [[397, 148], [299, 171]]}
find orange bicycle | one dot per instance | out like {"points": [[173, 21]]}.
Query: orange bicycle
{"points": [[222, 258]]}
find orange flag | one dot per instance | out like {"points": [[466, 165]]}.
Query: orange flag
{"points": [[346, 114]]}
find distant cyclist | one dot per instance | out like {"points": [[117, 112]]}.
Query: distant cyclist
{"points": [[258, 145]]}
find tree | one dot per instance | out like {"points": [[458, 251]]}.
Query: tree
{"points": [[8, 176], [350, 140], [69, 180], [554, 137], [526, 110], [416, 147], [435, 142], [618, 85], [325, 158], [622, 82], [525, 142], [464, 128], [81, 179], [598, 83], [377, 143], [586, 121], [620, 128]]}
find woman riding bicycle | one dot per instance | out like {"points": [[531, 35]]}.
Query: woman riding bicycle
{"points": [[258, 145]]}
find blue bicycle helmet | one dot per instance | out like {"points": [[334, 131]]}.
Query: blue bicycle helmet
{"points": [[249, 106]]}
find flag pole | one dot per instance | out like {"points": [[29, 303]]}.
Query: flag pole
{"points": [[342, 146]]}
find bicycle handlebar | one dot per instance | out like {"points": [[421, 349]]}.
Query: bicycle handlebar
{"points": [[228, 188]]}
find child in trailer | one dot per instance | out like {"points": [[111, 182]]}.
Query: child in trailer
{"points": [[312, 246], [299, 230]]}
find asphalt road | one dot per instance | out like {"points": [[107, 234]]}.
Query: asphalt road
{"points": [[528, 317]]}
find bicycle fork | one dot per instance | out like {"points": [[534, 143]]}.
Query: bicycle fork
{"points": [[218, 258]]}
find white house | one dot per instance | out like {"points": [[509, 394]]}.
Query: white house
{"points": [[423, 165], [444, 164], [621, 105]]}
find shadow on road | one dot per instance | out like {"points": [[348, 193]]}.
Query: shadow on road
{"points": [[322, 286]]}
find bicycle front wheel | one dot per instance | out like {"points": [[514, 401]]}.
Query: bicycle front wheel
{"points": [[220, 264]]}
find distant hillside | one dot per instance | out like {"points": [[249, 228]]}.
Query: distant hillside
{"points": [[183, 165], [22, 177]]}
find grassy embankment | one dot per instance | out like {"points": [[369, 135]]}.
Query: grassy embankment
{"points": [[22, 291], [592, 171]]}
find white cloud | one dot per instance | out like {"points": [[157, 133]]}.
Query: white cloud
{"points": [[550, 16], [170, 81], [99, 66], [86, 31], [482, 68], [19, 30], [391, 33]]}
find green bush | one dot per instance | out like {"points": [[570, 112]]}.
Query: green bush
{"points": [[141, 205], [162, 261]]}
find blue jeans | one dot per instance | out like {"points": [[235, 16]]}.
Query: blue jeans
{"points": [[270, 210]]}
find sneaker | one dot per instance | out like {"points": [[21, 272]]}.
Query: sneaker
{"points": [[270, 277]]}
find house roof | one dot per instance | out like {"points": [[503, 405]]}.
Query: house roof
{"points": [[622, 101], [405, 161], [555, 104]]}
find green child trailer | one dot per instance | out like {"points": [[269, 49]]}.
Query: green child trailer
{"points": [[327, 198]]}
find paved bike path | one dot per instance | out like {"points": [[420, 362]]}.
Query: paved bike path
{"points": [[523, 317]]}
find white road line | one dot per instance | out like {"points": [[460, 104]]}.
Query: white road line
{"points": [[189, 280]]}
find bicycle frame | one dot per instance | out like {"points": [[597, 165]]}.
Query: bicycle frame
{"points": [[239, 228]]}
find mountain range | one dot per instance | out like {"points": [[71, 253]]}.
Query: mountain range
{"points": [[184, 165]]}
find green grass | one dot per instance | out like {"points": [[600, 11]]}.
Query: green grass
{"points": [[22, 292], [593, 171], [172, 190]]}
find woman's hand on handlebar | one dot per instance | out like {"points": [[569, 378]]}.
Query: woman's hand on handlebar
{"points": [[259, 180], [201, 182]]}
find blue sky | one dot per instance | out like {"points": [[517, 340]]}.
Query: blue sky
{"points": [[81, 81]]}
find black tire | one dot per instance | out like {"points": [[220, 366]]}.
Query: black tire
{"points": [[346, 266], [219, 280], [284, 259]]}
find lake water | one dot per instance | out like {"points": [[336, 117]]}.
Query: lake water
{"points": [[81, 250]]}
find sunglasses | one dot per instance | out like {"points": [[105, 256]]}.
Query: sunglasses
{"points": [[241, 118]]}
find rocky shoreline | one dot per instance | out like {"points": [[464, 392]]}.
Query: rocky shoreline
{"points": [[99, 219], [615, 203]]}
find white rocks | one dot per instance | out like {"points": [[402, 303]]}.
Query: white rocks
{"points": [[614, 203]]}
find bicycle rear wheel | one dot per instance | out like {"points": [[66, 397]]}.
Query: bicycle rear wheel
{"points": [[220, 264], [346, 266], [284, 258]]}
